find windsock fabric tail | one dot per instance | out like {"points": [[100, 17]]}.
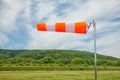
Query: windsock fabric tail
{"points": [[78, 27]]}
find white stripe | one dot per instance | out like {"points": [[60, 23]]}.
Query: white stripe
{"points": [[70, 27], [50, 27]]}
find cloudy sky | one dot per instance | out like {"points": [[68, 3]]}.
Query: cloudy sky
{"points": [[18, 20]]}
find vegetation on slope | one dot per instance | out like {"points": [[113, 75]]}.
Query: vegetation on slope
{"points": [[54, 59]]}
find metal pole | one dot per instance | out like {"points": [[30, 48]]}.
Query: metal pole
{"points": [[95, 56]]}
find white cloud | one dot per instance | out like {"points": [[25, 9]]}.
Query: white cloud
{"points": [[43, 9], [3, 39], [112, 50], [8, 15]]}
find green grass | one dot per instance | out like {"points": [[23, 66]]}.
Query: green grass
{"points": [[58, 75], [58, 68]]}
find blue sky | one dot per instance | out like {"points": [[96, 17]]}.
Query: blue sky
{"points": [[18, 20]]}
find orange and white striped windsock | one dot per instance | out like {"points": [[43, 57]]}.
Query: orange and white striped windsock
{"points": [[78, 27]]}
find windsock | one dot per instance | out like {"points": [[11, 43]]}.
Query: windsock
{"points": [[78, 27]]}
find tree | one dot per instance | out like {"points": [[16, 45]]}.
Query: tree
{"points": [[47, 60], [63, 61], [77, 61]]}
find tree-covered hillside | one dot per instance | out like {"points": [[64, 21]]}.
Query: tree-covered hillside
{"points": [[56, 54], [55, 57]]}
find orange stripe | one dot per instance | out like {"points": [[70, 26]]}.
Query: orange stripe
{"points": [[60, 27], [80, 27], [41, 27]]}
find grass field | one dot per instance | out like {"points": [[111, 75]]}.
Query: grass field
{"points": [[58, 75]]}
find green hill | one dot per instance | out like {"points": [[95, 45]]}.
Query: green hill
{"points": [[56, 54], [54, 58]]}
